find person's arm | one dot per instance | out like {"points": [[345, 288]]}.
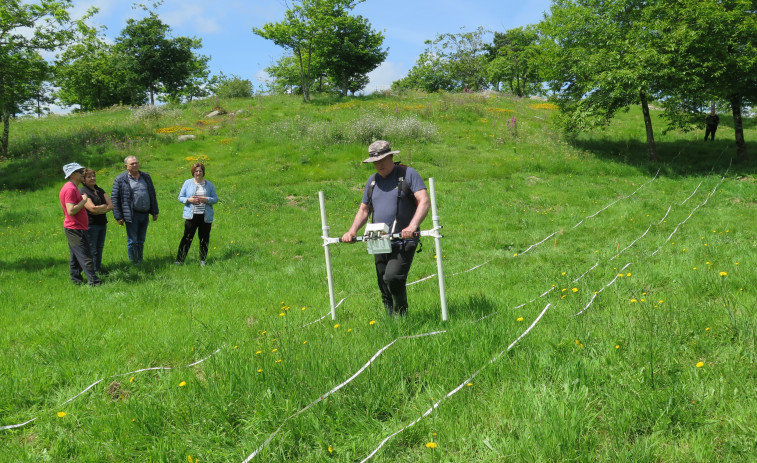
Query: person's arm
{"points": [[420, 213], [115, 196], [74, 209], [210, 194], [184, 197], [361, 217]]}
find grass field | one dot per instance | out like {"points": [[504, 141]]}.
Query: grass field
{"points": [[646, 350]]}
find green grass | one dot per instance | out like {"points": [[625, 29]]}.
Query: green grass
{"points": [[619, 382]]}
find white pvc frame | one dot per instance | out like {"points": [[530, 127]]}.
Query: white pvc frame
{"points": [[434, 232]]}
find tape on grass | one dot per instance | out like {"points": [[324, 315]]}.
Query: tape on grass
{"points": [[321, 398], [458, 388]]}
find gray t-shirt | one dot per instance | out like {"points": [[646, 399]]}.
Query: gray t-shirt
{"points": [[140, 196], [384, 198]]}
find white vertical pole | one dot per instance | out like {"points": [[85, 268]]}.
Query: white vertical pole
{"points": [[329, 276], [438, 247]]}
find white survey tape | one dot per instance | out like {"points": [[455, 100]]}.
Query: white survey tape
{"points": [[321, 398], [3, 428], [457, 389], [594, 296]]}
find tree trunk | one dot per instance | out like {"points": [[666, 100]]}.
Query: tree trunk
{"points": [[651, 147], [6, 130], [738, 127]]}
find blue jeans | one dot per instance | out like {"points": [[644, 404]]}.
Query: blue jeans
{"points": [[136, 232], [96, 235]]}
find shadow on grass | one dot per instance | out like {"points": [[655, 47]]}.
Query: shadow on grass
{"points": [[676, 159], [36, 161]]}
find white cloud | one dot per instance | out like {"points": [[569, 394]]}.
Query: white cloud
{"points": [[383, 76]]}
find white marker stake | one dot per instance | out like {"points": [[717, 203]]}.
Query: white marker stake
{"points": [[438, 246], [325, 237]]}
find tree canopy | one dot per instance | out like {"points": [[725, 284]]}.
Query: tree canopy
{"points": [[157, 62], [325, 41], [25, 31]]}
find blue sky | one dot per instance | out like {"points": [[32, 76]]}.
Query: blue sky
{"points": [[225, 27]]}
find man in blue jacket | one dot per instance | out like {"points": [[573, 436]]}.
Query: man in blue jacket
{"points": [[134, 200]]}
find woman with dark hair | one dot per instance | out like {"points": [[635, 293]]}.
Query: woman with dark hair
{"points": [[98, 204], [198, 196]]}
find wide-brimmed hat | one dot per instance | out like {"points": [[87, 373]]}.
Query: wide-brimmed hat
{"points": [[69, 169], [379, 150]]}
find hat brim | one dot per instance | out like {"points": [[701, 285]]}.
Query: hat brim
{"points": [[379, 157]]}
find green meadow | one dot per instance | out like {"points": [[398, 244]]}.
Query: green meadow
{"points": [[632, 280]]}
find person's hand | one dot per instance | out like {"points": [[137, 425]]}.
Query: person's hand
{"points": [[84, 196], [407, 233], [155, 217], [348, 237], [120, 221]]}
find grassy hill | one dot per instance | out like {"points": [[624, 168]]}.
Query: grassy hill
{"points": [[646, 350]]}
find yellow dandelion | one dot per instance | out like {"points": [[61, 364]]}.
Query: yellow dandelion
{"points": [[275, 350], [278, 361], [581, 346], [700, 364], [563, 273], [617, 346], [469, 384], [628, 274], [258, 352], [302, 308], [372, 322], [337, 325], [61, 414], [431, 445], [131, 380], [263, 332], [519, 319], [707, 329], [722, 274], [260, 370], [182, 384], [634, 300], [304, 342], [190, 459], [575, 290], [282, 314], [236, 347], [331, 449], [349, 330]]}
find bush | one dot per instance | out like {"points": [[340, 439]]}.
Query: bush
{"points": [[153, 112], [364, 130], [231, 87]]}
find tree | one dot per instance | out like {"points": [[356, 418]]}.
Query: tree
{"points": [[710, 48], [156, 62], [285, 76], [88, 74], [25, 30], [514, 61], [450, 62], [350, 52], [305, 28], [230, 87], [603, 59]]}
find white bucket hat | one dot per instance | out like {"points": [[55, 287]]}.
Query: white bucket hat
{"points": [[69, 169]]}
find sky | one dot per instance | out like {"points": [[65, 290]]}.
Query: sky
{"points": [[225, 27]]}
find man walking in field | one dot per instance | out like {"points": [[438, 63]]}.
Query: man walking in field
{"points": [[134, 200], [394, 195], [711, 121], [75, 225]]}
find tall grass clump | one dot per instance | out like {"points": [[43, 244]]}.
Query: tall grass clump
{"points": [[362, 130]]}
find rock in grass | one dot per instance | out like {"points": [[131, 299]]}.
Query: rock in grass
{"points": [[187, 137]]}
